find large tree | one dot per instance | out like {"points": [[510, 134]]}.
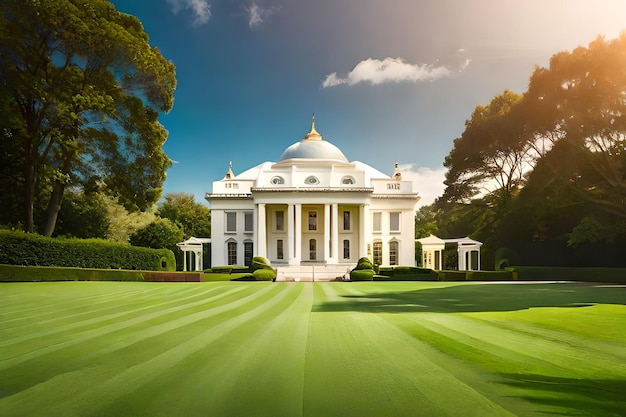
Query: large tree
{"points": [[193, 217], [82, 89], [580, 100]]}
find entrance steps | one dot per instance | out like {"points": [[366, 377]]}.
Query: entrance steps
{"points": [[309, 272]]}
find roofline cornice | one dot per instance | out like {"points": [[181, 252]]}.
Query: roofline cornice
{"points": [[312, 190]]}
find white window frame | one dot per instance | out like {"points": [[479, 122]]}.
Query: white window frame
{"points": [[391, 221], [231, 215]]}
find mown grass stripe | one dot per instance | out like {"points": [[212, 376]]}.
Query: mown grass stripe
{"points": [[387, 375], [532, 351], [89, 315], [94, 329], [262, 360], [129, 338], [113, 388]]}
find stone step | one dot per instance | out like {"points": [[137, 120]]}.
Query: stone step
{"points": [[312, 272]]}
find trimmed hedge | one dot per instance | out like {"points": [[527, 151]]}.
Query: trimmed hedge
{"points": [[362, 275], [540, 273], [405, 273], [451, 275], [18, 248], [19, 273], [490, 276], [259, 270]]}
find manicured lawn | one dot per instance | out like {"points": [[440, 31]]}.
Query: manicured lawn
{"points": [[303, 349]]}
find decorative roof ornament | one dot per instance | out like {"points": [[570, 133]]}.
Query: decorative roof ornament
{"points": [[397, 175], [229, 173], [313, 134]]}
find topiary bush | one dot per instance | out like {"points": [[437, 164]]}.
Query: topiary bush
{"points": [[264, 275], [362, 275], [363, 271]]}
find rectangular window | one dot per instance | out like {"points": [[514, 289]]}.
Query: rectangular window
{"points": [[231, 222], [376, 224], [346, 220], [393, 253], [346, 249], [279, 249], [312, 250], [280, 220], [378, 253], [232, 253], [394, 222], [248, 222], [312, 220], [247, 253]]}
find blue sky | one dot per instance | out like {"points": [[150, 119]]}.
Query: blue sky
{"points": [[388, 80]]}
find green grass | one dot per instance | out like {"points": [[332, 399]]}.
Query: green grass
{"points": [[312, 349]]}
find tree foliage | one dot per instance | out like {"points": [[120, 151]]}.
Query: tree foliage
{"points": [[555, 157], [81, 90], [193, 217], [160, 234]]}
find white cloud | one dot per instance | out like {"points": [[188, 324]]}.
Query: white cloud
{"points": [[201, 9], [257, 13], [254, 15], [426, 181], [389, 70]]}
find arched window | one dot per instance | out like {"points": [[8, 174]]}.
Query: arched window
{"points": [[312, 249], [393, 252], [277, 180], [347, 180], [232, 252], [248, 252], [312, 180], [377, 254]]}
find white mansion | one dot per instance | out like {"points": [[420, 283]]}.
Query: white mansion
{"points": [[313, 213]]}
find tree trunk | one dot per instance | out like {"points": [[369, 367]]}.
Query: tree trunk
{"points": [[54, 206], [30, 187]]}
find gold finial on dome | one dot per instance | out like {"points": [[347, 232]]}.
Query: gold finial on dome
{"points": [[313, 134]]}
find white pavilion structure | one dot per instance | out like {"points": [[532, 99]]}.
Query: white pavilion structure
{"points": [[468, 253], [313, 213]]}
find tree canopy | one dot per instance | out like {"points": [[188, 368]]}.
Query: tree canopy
{"points": [[549, 164], [81, 90]]}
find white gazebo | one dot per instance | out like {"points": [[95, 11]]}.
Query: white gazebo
{"points": [[468, 251], [193, 246]]}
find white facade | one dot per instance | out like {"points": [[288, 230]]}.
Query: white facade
{"points": [[313, 213]]}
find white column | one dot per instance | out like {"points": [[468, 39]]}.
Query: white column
{"points": [[185, 261], [326, 232], [334, 234], [364, 214], [198, 261], [261, 238], [291, 228], [297, 234]]}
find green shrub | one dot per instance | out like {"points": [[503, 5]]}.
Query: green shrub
{"points": [[364, 264], [259, 262], [264, 274], [489, 276], [18, 248], [540, 273], [19, 273], [506, 257], [451, 275], [222, 269], [362, 275]]}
